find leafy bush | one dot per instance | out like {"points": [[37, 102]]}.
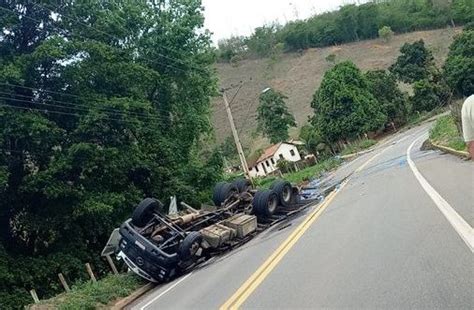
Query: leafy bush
{"points": [[331, 58], [459, 66], [311, 136], [385, 33], [428, 95], [231, 48], [284, 165], [263, 40]]}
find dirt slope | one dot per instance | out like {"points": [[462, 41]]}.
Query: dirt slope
{"points": [[299, 74]]}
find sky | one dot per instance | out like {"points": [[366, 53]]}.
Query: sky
{"points": [[225, 18]]}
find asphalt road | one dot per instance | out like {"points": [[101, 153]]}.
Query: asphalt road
{"points": [[381, 242]]}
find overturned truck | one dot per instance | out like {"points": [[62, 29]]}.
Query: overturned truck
{"points": [[159, 246]]}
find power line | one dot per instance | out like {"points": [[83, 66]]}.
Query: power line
{"points": [[77, 108], [87, 99], [70, 95], [79, 97], [241, 84], [82, 107], [178, 155], [39, 89], [235, 95], [59, 112]]}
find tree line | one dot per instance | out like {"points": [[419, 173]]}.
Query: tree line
{"points": [[349, 23], [102, 103]]}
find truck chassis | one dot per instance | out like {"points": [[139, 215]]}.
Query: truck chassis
{"points": [[159, 246]]}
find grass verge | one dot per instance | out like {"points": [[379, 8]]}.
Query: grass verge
{"points": [[417, 118], [91, 295], [358, 146], [302, 175], [445, 133]]}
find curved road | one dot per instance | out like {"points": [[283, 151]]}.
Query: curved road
{"points": [[381, 242]]}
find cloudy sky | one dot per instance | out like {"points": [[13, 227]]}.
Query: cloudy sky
{"points": [[239, 17]]}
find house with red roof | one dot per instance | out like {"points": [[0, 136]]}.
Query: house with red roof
{"points": [[267, 162]]}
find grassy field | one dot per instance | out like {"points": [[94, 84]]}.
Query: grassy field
{"points": [[445, 133], [299, 74], [91, 295]]}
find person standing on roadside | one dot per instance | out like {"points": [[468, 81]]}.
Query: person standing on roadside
{"points": [[467, 118]]}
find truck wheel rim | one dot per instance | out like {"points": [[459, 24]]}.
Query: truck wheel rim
{"points": [[271, 203], [194, 248], [286, 194]]}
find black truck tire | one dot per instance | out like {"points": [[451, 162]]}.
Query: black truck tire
{"points": [[216, 193], [284, 191], [143, 213], [189, 246], [265, 203], [222, 191], [242, 185]]}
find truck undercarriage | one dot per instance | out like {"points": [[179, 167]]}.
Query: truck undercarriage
{"points": [[159, 246]]}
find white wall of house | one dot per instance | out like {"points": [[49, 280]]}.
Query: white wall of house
{"points": [[286, 151]]}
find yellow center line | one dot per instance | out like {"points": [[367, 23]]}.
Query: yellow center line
{"points": [[239, 297], [254, 281]]}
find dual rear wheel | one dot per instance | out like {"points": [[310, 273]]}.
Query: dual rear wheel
{"points": [[224, 190], [265, 202]]}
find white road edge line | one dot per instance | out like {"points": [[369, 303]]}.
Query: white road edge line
{"points": [[166, 291], [460, 225]]}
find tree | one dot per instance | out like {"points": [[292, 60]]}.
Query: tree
{"points": [[263, 40], [95, 115], [462, 11], [415, 63], [459, 66], [313, 140], [343, 105], [347, 22], [284, 165], [232, 47], [386, 33], [273, 117], [228, 149], [383, 87], [428, 94]]}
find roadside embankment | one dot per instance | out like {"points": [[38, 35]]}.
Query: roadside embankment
{"points": [[445, 136]]}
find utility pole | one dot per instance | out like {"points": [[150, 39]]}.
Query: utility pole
{"points": [[240, 151]]}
